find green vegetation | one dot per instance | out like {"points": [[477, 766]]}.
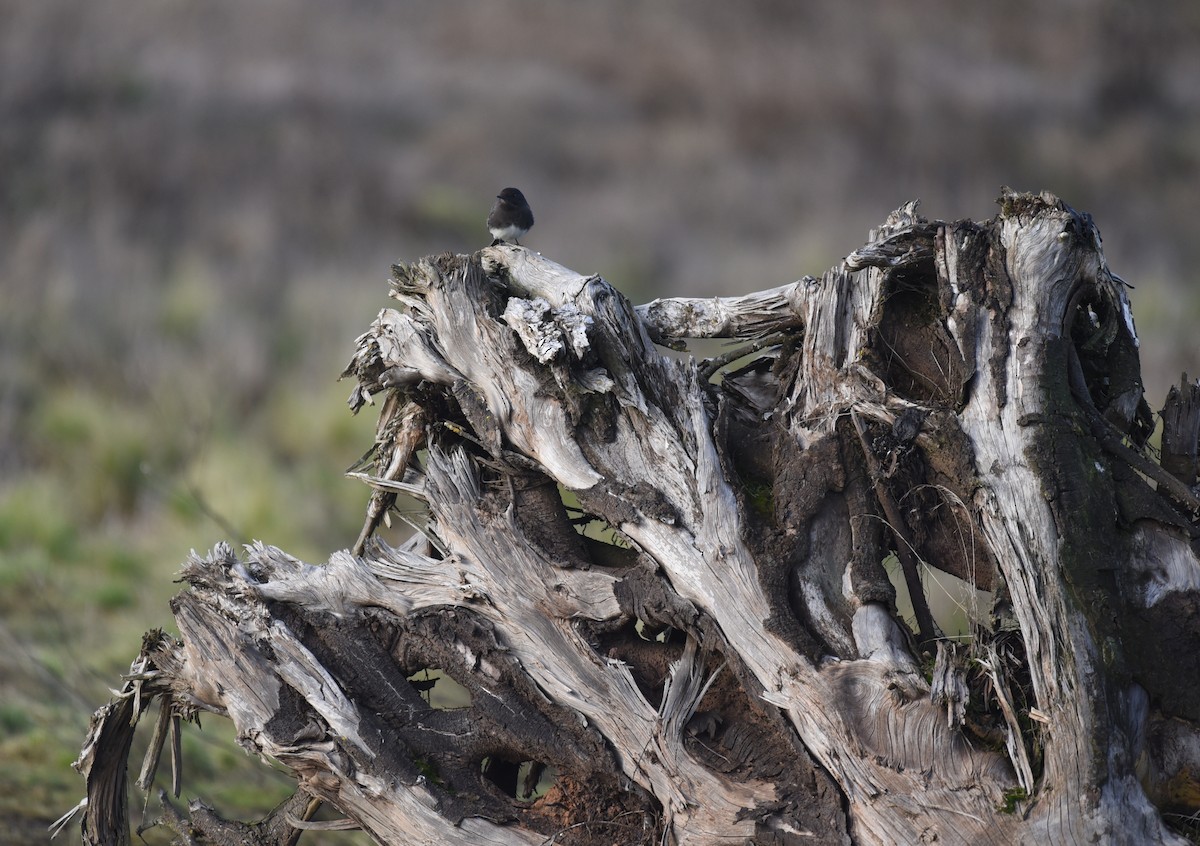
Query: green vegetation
{"points": [[109, 491], [1012, 798]]}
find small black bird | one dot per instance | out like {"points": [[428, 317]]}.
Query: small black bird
{"points": [[510, 217]]}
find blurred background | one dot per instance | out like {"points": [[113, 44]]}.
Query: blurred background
{"points": [[199, 204]]}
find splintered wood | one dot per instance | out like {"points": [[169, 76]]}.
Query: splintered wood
{"points": [[665, 590]]}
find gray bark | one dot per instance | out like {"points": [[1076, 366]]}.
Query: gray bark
{"points": [[963, 396]]}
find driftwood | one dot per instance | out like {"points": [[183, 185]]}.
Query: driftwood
{"points": [[662, 582]]}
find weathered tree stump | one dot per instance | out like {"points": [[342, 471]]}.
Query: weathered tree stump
{"points": [[665, 581]]}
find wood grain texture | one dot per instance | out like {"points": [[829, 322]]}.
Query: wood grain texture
{"points": [[664, 582]]}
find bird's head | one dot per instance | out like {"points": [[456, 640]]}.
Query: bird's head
{"points": [[511, 195]]}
